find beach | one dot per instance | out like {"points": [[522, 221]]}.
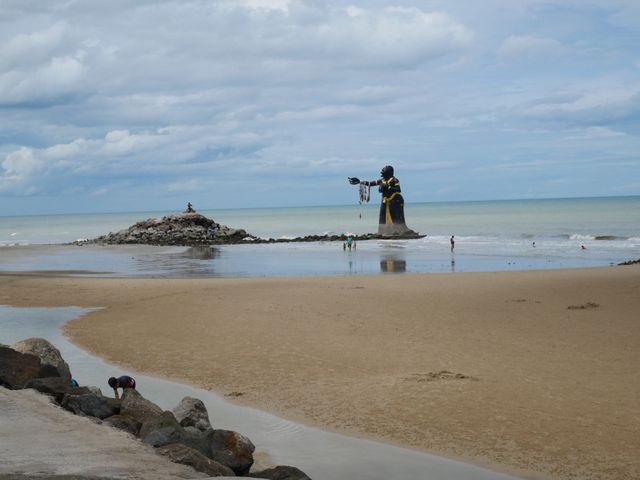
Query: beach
{"points": [[533, 372]]}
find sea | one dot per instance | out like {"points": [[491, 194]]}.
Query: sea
{"points": [[489, 236]]}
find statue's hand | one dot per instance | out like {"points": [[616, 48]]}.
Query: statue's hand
{"points": [[354, 180]]}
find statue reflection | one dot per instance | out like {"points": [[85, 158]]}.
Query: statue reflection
{"points": [[393, 265], [201, 253]]}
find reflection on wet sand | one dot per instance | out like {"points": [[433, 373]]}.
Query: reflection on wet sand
{"points": [[201, 253], [192, 261], [393, 265]]}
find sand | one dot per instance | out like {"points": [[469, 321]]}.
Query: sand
{"points": [[535, 372]]}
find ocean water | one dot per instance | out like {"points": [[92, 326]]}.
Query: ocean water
{"points": [[490, 236]]}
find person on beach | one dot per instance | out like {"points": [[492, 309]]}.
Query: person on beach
{"points": [[122, 382], [349, 241], [453, 243]]}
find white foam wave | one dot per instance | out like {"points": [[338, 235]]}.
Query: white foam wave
{"points": [[577, 236]]}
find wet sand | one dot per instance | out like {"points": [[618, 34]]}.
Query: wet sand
{"points": [[530, 371]]}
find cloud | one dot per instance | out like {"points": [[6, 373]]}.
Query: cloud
{"points": [[114, 99], [166, 152], [523, 46], [598, 106]]}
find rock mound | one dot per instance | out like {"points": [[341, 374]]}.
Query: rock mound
{"points": [[183, 229], [48, 354], [190, 441]]}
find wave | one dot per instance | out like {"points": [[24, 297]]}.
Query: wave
{"points": [[577, 236]]}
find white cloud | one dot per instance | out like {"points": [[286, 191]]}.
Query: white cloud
{"points": [[103, 96], [58, 77]]}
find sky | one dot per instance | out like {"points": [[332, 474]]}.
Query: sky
{"points": [[138, 106]]}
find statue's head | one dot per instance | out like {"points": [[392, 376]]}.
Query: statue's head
{"points": [[386, 172]]}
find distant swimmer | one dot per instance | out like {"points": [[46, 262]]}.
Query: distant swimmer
{"points": [[534, 244], [453, 243], [582, 247], [122, 382]]}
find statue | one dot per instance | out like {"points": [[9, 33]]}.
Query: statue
{"points": [[391, 222]]}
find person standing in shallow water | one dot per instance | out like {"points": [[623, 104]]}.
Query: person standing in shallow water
{"points": [[391, 221], [453, 243]]}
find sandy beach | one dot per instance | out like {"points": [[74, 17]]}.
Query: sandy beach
{"points": [[533, 372]]}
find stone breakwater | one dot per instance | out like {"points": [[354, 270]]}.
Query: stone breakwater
{"points": [[193, 229], [184, 435]]}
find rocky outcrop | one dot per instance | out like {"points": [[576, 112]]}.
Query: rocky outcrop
{"points": [[192, 229], [631, 262], [188, 229], [17, 369], [48, 354], [191, 412], [190, 441]]}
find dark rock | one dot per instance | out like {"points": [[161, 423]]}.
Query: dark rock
{"points": [[56, 387], [191, 229], [138, 408], [179, 229], [631, 262], [91, 405], [184, 455], [165, 421], [123, 422], [164, 429], [16, 369], [48, 354], [191, 412], [281, 472], [230, 449]]}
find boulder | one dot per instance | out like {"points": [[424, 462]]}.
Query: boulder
{"points": [[94, 390], [163, 422], [123, 422], [16, 369], [91, 405], [48, 354], [184, 455], [231, 449], [164, 429], [281, 472], [138, 408], [191, 412], [56, 387]]}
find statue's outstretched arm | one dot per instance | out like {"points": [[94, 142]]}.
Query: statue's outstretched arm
{"points": [[357, 181]]}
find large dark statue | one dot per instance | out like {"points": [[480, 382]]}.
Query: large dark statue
{"points": [[391, 223]]}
